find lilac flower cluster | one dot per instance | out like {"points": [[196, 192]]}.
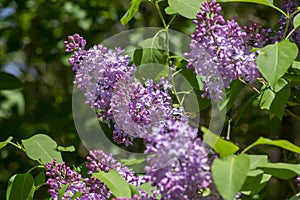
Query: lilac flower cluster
{"points": [[289, 6], [298, 181], [137, 108], [186, 171], [109, 87], [89, 188], [97, 70], [218, 51]]}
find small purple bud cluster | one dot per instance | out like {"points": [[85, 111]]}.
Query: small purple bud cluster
{"points": [[218, 51], [137, 108], [256, 36], [89, 188], [186, 171]]}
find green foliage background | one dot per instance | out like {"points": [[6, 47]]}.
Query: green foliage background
{"points": [[31, 47]]}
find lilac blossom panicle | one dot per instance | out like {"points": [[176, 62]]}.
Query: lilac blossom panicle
{"points": [[298, 181], [186, 174], [218, 51], [90, 188], [289, 6], [96, 72], [137, 108]]}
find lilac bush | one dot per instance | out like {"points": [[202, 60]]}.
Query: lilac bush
{"points": [[183, 160]]}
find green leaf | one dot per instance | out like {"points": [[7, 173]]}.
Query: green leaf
{"points": [[12, 98], [263, 2], [186, 8], [134, 190], [129, 162], [255, 182], [256, 160], [63, 189], [279, 103], [295, 197], [230, 174], [115, 182], [275, 102], [3, 144], [39, 180], [222, 147], [20, 187], [147, 187], [9, 82], [133, 9], [281, 170], [296, 65], [151, 57], [279, 143], [274, 60], [42, 147], [170, 11], [66, 149], [266, 99], [296, 21]]}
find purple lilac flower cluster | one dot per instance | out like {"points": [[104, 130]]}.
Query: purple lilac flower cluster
{"points": [[181, 166], [137, 108], [89, 188], [97, 70], [109, 87], [60, 174], [289, 6], [218, 51]]}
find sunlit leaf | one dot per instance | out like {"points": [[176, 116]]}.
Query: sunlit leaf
{"points": [[3, 144], [275, 59], [42, 147], [66, 149], [222, 147], [115, 182], [186, 8], [279, 143], [133, 9], [281, 170], [229, 174]]}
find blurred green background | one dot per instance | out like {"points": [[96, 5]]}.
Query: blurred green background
{"points": [[32, 33]]}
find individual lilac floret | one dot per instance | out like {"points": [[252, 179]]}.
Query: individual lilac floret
{"points": [[186, 171], [137, 108], [218, 51], [97, 70], [60, 174]]}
